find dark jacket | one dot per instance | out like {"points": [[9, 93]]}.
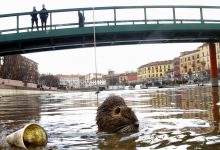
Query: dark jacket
{"points": [[81, 17], [43, 14], [34, 15]]}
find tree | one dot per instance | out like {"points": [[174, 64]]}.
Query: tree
{"points": [[194, 66], [17, 67], [190, 73], [203, 63], [49, 80], [124, 82]]}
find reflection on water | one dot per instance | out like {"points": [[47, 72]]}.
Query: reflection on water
{"points": [[180, 118]]}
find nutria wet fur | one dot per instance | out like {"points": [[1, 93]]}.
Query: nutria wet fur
{"points": [[115, 116]]}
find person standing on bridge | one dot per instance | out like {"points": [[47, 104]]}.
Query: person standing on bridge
{"points": [[81, 19], [43, 17], [34, 18]]}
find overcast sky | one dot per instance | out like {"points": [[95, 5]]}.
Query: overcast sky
{"points": [[117, 58]]}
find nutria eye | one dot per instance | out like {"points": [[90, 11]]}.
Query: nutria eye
{"points": [[117, 110]]}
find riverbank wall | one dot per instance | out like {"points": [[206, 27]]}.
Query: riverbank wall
{"points": [[16, 84], [19, 92], [14, 87]]}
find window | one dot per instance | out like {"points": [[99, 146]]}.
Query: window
{"points": [[188, 58]]}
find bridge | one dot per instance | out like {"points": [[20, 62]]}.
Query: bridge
{"points": [[108, 26], [118, 26]]}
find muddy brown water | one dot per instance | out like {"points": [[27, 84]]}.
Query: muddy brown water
{"points": [[175, 118]]}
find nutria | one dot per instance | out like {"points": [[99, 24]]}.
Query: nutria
{"points": [[115, 116]]}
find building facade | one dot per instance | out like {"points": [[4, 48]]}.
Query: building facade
{"points": [[197, 62], [176, 69], [204, 57], [82, 81], [92, 80], [111, 78], [154, 70], [132, 77], [69, 81], [217, 46], [190, 63], [123, 79]]}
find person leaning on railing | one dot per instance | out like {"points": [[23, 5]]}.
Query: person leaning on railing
{"points": [[43, 17], [34, 18], [81, 19]]}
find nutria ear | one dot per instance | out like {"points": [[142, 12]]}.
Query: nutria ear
{"points": [[117, 110]]}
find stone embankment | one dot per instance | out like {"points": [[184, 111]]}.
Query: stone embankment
{"points": [[15, 87], [17, 92]]}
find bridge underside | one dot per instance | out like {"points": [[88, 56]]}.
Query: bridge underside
{"points": [[29, 42]]}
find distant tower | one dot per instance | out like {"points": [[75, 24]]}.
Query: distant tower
{"points": [[111, 72]]}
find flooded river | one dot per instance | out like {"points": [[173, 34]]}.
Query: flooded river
{"points": [[175, 118]]}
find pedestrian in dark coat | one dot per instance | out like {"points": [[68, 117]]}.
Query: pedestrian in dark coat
{"points": [[43, 17], [81, 19], [34, 18]]}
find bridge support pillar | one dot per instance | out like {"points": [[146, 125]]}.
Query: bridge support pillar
{"points": [[214, 69]]}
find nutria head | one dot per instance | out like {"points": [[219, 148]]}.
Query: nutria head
{"points": [[115, 116]]}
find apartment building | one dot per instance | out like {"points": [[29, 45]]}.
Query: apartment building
{"points": [[154, 70], [132, 77], [198, 61], [204, 57], [111, 78], [127, 78], [190, 63], [123, 79], [69, 81], [217, 46], [176, 69], [82, 81], [93, 79]]}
